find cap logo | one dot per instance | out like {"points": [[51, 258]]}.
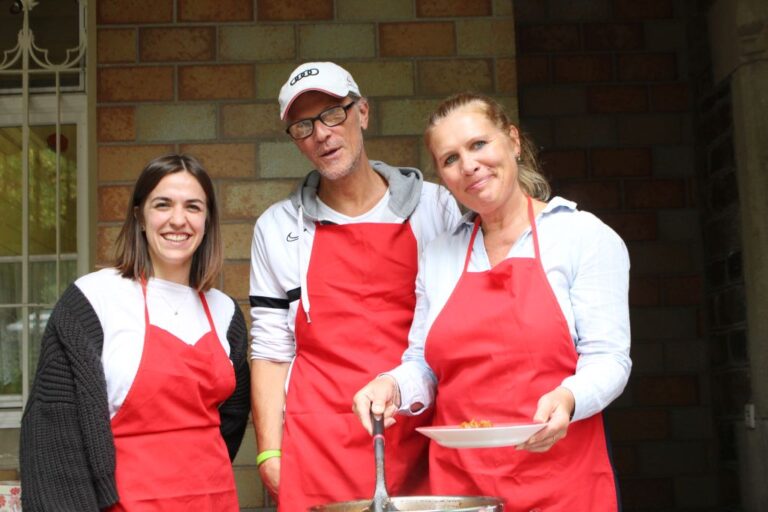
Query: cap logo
{"points": [[304, 74]]}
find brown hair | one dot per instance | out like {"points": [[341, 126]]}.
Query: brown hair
{"points": [[529, 174], [132, 254]]}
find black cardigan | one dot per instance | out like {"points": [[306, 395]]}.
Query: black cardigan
{"points": [[67, 453]]}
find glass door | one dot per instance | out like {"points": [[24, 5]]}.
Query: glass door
{"points": [[43, 180], [51, 243]]}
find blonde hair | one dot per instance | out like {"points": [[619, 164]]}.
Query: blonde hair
{"points": [[529, 174]]}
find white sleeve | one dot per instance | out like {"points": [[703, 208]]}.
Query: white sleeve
{"points": [[271, 335], [414, 377], [599, 296]]}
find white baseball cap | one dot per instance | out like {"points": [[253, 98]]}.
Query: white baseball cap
{"points": [[325, 77]]}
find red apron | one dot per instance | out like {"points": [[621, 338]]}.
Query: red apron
{"points": [[170, 453], [361, 283], [498, 345]]}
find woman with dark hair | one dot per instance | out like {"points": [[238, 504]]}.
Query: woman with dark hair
{"points": [[521, 317], [141, 395]]}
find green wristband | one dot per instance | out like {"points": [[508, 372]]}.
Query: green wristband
{"points": [[266, 455]]}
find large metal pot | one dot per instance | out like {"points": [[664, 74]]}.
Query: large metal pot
{"points": [[382, 502], [422, 504]]}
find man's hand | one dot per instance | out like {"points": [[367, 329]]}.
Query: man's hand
{"points": [[270, 475]]}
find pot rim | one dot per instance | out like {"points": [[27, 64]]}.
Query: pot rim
{"points": [[480, 501]]}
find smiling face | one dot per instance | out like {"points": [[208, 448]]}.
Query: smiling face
{"points": [[173, 218], [476, 159], [335, 151]]}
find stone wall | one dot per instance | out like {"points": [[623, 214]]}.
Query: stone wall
{"points": [[202, 77], [735, 122], [731, 161], [726, 307], [725, 311]]}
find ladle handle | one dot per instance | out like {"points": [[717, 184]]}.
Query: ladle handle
{"points": [[380, 496]]}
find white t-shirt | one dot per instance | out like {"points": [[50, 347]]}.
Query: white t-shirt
{"points": [[119, 305], [378, 213]]}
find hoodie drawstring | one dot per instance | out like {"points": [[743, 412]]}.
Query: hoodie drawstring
{"points": [[302, 267]]}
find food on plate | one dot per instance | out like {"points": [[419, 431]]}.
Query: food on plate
{"points": [[473, 423]]}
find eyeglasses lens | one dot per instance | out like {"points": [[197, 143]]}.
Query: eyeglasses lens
{"points": [[334, 116]]}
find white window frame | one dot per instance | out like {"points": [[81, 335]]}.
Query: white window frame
{"points": [[72, 108]]}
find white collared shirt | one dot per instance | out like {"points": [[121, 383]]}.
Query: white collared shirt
{"points": [[587, 266]]}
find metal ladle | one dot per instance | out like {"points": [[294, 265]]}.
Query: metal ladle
{"points": [[381, 500]]}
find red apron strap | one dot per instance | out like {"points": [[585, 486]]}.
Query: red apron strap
{"points": [[534, 231], [207, 311], [471, 243], [144, 291]]}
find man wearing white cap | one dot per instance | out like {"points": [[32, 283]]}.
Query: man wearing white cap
{"points": [[332, 294]]}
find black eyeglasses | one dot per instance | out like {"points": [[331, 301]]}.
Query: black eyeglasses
{"points": [[333, 116]]}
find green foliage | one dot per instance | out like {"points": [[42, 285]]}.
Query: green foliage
{"points": [[42, 196]]}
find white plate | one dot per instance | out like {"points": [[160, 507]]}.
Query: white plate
{"points": [[482, 437]]}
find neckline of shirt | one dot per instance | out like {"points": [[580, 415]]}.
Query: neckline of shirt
{"points": [[329, 213]]}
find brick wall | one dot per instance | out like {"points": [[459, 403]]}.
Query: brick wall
{"points": [[202, 76], [605, 90]]}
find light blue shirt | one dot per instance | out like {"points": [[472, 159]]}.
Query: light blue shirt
{"points": [[587, 266]]}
